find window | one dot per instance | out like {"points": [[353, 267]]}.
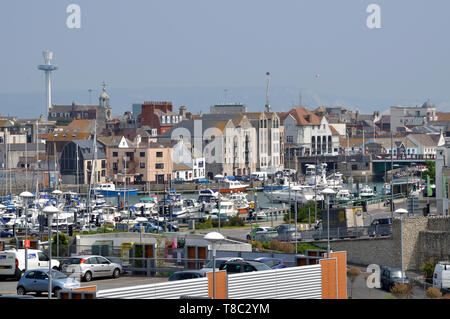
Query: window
{"points": [[42, 257], [115, 166], [103, 164], [159, 154], [41, 275], [248, 268], [159, 166], [91, 261], [142, 154], [103, 261], [290, 139], [30, 275], [115, 154], [142, 165]]}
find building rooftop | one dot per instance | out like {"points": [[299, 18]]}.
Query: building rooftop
{"points": [[302, 115]]}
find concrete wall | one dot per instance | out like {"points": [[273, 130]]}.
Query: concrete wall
{"points": [[118, 238], [365, 251]]}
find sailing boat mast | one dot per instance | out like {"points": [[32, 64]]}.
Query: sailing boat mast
{"points": [[92, 175]]}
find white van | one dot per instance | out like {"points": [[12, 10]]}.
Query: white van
{"points": [[12, 262], [441, 276]]}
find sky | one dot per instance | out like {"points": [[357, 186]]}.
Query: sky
{"points": [[144, 49]]}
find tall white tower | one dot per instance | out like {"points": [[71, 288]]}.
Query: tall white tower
{"points": [[48, 68]]}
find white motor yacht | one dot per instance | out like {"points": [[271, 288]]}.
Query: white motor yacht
{"points": [[366, 191]]}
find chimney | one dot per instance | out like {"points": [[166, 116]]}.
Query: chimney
{"points": [[183, 111]]}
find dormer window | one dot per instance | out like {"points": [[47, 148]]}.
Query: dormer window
{"points": [[163, 119]]}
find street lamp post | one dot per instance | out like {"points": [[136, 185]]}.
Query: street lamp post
{"points": [[26, 195], [401, 211], [50, 210], [57, 192], [328, 192], [214, 238]]}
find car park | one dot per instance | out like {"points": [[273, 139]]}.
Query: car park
{"points": [[87, 267], [187, 274], [37, 280], [12, 262], [391, 276], [274, 263], [219, 261], [240, 266]]}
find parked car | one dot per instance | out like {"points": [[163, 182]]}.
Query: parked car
{"points": [[441, 276], [261, 230], [274, 263], [219, 262], [87, 267], [380, 227], [36, 280], [391, 276], [240, 266], [187, 274], [6, 234], [170, 226], [147, 227], [282, 228]]}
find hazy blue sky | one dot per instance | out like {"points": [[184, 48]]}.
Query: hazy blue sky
{"points": [[232, 43]]}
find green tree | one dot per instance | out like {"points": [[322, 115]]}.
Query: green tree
{"points": [[431, 171], [428, 269], [303, 212], [63, 243]]}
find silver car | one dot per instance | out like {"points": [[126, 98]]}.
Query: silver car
{"points": [[86, 267]]}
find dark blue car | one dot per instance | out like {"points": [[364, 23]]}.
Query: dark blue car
{"points": [[274, 263], [6, 234]]}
